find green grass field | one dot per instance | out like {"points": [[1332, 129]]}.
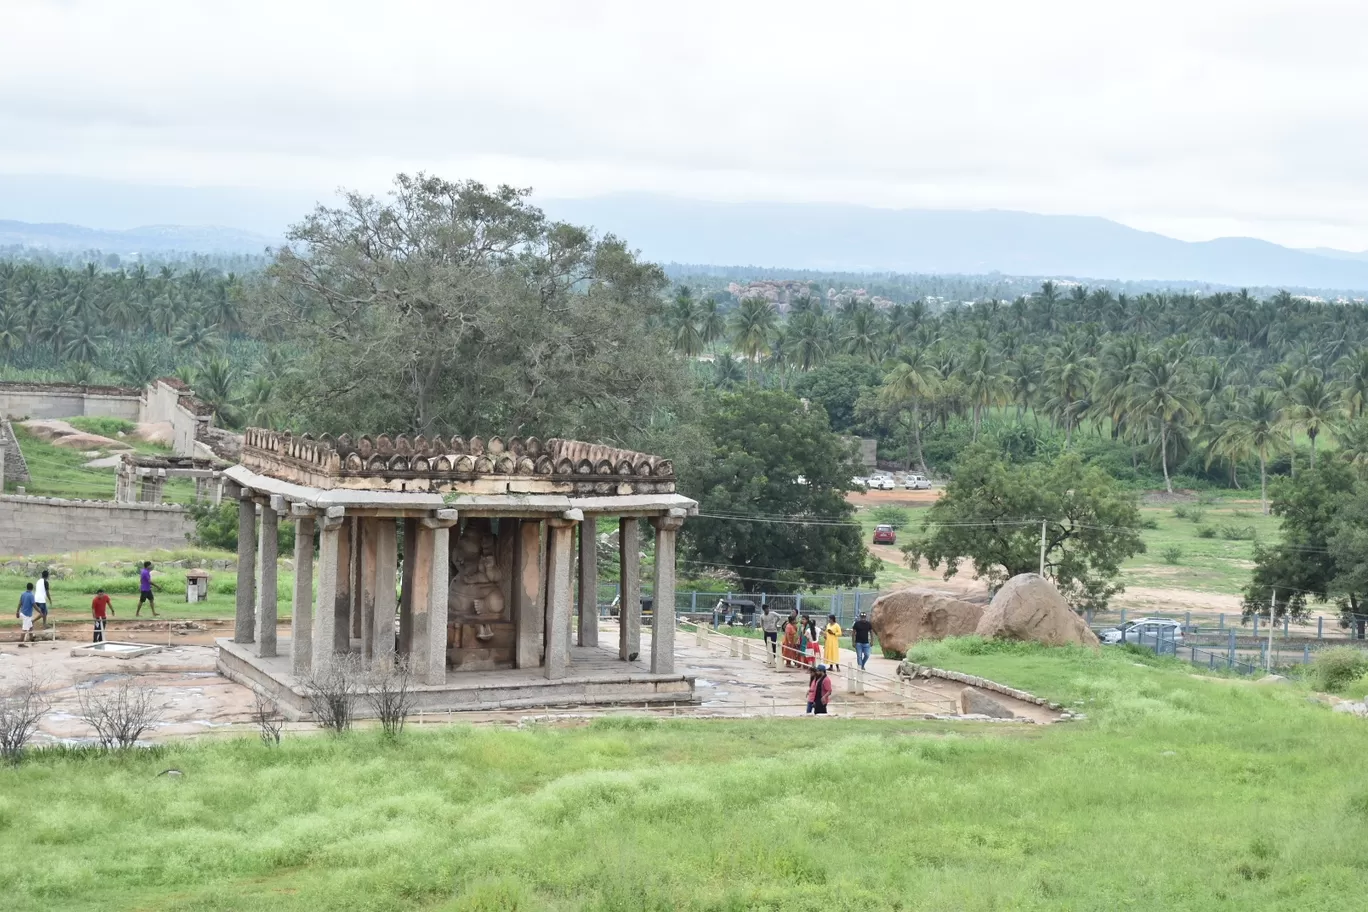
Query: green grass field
{"points": [[1178, 793], [60, 471]]}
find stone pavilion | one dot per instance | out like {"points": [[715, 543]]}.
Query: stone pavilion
{"points": [[495, 601]]}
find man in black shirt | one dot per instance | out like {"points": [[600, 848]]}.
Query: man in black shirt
{"points": [[861, 633]]}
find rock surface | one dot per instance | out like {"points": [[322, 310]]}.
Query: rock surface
{"points": [[974, 702], [62, 434], [902, 618], [1030, 608], [1351, 706], [1271, 679]]}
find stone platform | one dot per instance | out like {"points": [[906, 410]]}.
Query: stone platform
{"points": [[595, 677]]}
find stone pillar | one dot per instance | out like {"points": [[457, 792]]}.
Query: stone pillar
{"points": [[245, 620], [588, 582], [357, 625], [663, 607], [342, 598], [366, 584], [431, 557], [560, 538], [406, 589], [330, 547], [301, 611], [529, 609], [629, 603], [386, 547], [267, 559]]}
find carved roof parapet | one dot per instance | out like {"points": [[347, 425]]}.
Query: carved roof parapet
{"points": [[455, 458]]}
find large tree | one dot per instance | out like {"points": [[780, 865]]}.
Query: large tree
{"points": [[991, 516], [772, 497], [450, 307]]}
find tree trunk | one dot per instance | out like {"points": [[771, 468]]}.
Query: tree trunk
{"points": [[974, 436], [916, 435], [1163, 458], [1313, 449], [1263, 483]]}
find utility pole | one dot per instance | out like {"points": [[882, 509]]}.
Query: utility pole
{"points": [[1042, 547], [1272, 612]]}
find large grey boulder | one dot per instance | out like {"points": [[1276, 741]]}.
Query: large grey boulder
{"points": [[974, 702], [902, 618], [1029, 607]]}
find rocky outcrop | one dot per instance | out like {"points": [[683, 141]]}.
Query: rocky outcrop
{"points": [[977, 703], [1030, 608], [902, 618]]}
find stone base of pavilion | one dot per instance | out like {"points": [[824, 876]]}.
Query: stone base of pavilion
{"points": [[595, 677]]}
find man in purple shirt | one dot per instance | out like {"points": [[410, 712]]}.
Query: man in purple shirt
{"points": [[145, 585]]}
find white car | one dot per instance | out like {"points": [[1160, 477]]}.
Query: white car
{"points": [[881, 483], [917, 483], [1146, 631], [858, 482]]}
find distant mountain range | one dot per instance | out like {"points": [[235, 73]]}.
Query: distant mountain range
{"points": [[855, 238], [148, 239]]}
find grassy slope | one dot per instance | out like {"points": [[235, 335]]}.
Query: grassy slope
{"points": [[1207, 564], [1178, 794], [60, 471]]}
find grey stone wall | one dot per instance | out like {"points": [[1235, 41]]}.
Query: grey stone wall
{"points": [[47, 525], [54, 400], [15, 469]]}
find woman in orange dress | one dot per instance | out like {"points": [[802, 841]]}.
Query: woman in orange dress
{"points": [[791, 654]]}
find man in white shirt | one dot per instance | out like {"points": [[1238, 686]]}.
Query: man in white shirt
{"points": [[41, 597]]}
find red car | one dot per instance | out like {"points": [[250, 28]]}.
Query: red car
{"points": [[884, 535]]}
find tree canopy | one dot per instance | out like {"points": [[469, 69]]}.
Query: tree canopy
{"points": [[453, 307], [991, 515], [772, 497]]}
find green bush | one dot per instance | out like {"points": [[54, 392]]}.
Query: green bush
{"points": [[1191, 514], [896, 517], [1232, 532], [1172, 554], [217, 527], [1206, 532], [1333, 669]]}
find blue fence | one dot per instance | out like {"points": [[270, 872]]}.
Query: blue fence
{"points": [[1240, 658], [1352, 627]]}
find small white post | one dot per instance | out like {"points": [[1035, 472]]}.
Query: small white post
{"points": [[731, 646], [745, 647], [1272, 612]]}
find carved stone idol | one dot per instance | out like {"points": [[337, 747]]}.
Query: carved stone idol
{"points": [[474, 591]]}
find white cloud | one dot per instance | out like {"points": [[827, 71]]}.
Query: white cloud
{"points": [[1191, 118]]}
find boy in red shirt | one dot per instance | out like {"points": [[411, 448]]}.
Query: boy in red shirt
{"points": [[98, 607]]}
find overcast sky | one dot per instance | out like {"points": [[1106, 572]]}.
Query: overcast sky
{"points": [[1197, 118]]}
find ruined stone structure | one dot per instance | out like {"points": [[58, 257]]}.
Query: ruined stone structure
{"points": [[490, 609], [140, 479]]}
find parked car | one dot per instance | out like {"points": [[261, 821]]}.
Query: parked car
{"points": [[917, 483], [858, 482], [881, 483], [885, 535], [1148, 631]]}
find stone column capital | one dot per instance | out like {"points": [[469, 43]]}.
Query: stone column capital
{"points": [[667, 523]]}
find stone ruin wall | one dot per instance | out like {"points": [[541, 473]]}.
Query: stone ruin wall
{"points": [[15, 468], [47, 525]]}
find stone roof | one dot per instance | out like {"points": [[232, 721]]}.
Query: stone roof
{"points": [[469, 465]]}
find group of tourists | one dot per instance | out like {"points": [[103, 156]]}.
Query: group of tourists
{"points": [[797, 640], [36, 600]]}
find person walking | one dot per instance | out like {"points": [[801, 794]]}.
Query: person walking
{"points": [[42, 597], [831, 639], [813, 643], [861, 635], [145, 585], [819, 691], [98, 606], [769, 626], [25, 615]]}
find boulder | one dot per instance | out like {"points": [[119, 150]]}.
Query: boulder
{"points": [[1353, 707], [902, 618], [1271, 679], [974, 702], [1029, 607]]}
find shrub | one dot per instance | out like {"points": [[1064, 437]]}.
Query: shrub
{"points": [[1149, 522], [105, 427], [22, 705], [1237, 533], [268, 719], [891, 516], [1191, 514], [217, 527], [391, 696], [1206, 532], [1172, 554], [121, 715], [1335, 668], [332, 692]]}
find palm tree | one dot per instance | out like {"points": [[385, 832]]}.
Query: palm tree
{"points": [[1162, 394], [214, 385], [1257, 427], [141, 367], [810, 334], [1352, 370], [711, 323], [1353, 444], [752, 326], [1314, 408], [863, 334], [982, 380], [1069, 376], [727, 372], [912, 380], [682, 322]]}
